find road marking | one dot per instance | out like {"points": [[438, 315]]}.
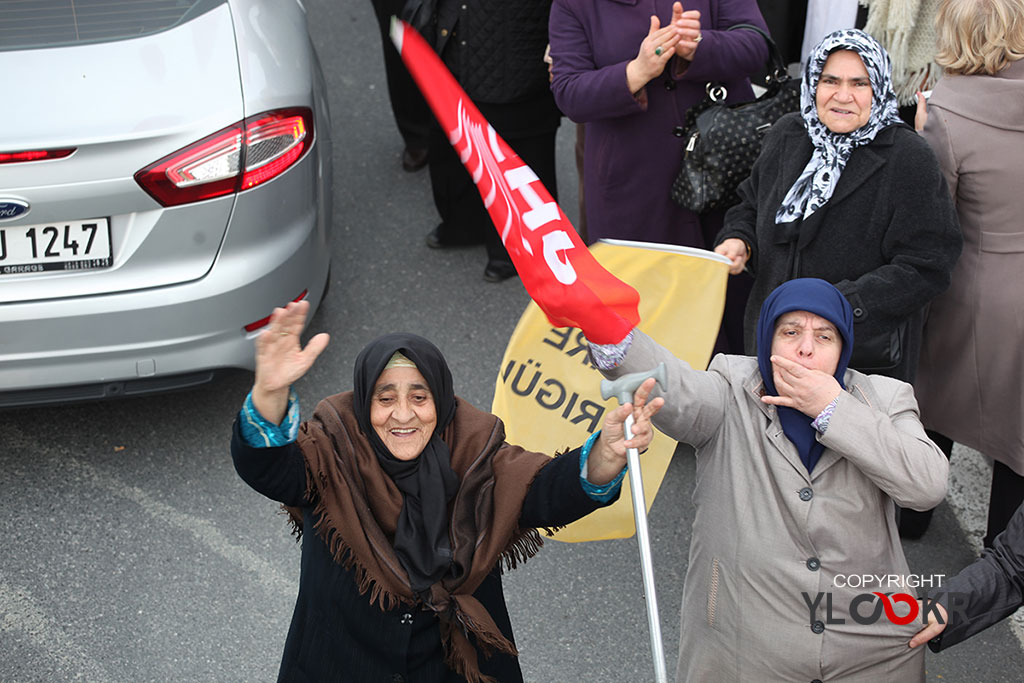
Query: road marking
{"points": [[202, 530], [21, 613]]}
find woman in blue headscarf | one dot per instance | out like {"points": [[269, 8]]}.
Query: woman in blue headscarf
{"points": [[792, 323], [800, 464], [846, 192]]}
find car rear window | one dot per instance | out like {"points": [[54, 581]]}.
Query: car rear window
{"points": [[27, 24]]}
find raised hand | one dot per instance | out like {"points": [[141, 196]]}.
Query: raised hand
{"points": [[281, 360], [806, 390]]}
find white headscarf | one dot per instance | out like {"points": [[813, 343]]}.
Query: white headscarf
{"points": [[818, 180]]}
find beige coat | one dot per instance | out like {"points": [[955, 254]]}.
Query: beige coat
{"points": [[971, 374], [766, 531]]}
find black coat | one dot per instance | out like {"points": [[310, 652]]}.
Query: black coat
{"points": [[888, 238], [337, 635], [495, 48], [988, 590]]}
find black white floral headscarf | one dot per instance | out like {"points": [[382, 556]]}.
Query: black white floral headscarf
{"points": [[818, 180]]}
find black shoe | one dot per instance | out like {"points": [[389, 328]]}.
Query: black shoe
{"points": [[414, 158], [499, 271], [433, 239]]}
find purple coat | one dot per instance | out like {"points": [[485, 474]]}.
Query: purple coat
{"points": [[633, 151]]}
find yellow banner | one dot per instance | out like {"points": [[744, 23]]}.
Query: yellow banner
{"points": [[549, 395]]}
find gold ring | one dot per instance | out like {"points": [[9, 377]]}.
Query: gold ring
{"points": [[657, 50], [283, 334], [699, 38]]}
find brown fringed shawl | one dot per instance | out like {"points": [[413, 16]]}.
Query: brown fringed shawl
{"points": [[357, 507]]}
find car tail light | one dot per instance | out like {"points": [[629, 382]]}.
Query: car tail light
{"points": [[253, 326], [34, 155], [234, 159]]}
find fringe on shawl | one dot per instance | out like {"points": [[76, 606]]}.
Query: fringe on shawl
{"points": [[527, 543], [457, 649], [905, 30], [523, 547], [339, 549], [343, 555], [460, 655], [294, 520], [924, 79]]}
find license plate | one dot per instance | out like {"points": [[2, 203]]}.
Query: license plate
{"points": [[67, 245]]}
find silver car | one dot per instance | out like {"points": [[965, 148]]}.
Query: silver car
{"points": [[165, 181]]}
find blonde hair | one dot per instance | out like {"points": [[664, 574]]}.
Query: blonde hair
{"points": [[979, 36]]}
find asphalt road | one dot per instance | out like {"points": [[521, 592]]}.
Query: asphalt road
{"points": [[132, 552]]}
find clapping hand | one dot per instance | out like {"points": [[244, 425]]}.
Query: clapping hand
{"points": [[655, 51], [281, 360], [687, 25]]}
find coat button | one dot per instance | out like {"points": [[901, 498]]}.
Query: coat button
{"points": [[813, 564], [444, 32], [397, 678], [670, 85], [816, 680], [406, 619], [858, 312], [678, 131], [806, 493], [818, 627]]}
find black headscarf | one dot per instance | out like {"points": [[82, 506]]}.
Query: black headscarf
{"points": [[427, 482], [821, 298]]}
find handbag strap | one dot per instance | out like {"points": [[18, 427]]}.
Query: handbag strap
{"points": [[776, 66]]}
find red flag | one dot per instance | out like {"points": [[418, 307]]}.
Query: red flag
{"points": [[556, 268]]}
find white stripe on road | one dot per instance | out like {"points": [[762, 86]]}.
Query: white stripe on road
{"points": [[202, 530], [20, 613]]}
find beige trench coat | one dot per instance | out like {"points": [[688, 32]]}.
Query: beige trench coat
{"points": [[766, 531], [971, 374]]}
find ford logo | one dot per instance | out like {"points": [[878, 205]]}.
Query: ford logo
{"points": [[12, 208]]}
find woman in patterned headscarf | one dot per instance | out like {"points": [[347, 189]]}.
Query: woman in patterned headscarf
{"points": [[845, 192]]}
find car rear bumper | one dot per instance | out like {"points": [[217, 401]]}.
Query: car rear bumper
{"points": [[161, 338]]}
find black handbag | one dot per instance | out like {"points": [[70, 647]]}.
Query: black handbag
{"points": [[880, 352], [723, 141]]}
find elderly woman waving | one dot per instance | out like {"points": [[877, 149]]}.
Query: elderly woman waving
{"points": [[409, 502], [845, 192]]}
